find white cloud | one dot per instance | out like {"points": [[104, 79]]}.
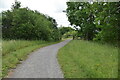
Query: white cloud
{"points": [[52, 8]]}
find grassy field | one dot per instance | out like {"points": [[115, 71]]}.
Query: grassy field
{"points": [[83, 59], [14, 51]]}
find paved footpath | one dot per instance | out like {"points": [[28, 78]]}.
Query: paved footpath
{"points": [[41, 64]]}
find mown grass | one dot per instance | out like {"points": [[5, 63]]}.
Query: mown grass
{"points": [[14, 51], [84, 59]]}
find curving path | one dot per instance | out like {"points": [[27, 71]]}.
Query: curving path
{"points": [[41, 64]]}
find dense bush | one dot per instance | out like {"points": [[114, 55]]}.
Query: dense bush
{"points": [[23, 23]]}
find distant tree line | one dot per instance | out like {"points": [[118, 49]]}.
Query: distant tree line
{"points": [[67, 32], [64, 30], [23, 23], [98, 21]]}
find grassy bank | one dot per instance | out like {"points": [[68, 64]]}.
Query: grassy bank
{"points": [[14, 51], [83, 59]]}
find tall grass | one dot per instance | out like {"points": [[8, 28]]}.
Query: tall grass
{"points": [[13, 45], [83, 59]]}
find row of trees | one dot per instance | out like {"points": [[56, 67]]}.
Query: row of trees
{"points": [[95, 21], [23, 23]]}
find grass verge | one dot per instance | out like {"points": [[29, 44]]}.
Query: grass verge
{"points": [[14, 51], [84, 59]]}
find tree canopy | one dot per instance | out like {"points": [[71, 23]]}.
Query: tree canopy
{"points": [[97, 21]]}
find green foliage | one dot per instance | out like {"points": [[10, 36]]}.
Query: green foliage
{"points": [[81, 14], [67, 32], [16, 5], [64, 30], [23, 23], [108, 22], [70, 34], [98, 21], [85, 59]]}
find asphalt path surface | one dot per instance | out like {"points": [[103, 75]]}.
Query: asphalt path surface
{"points": [[40, 64]]}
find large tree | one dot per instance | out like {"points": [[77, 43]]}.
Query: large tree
{"points": [[81, 14], [98, 21]]}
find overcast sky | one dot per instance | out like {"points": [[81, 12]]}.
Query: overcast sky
{"points": [[52, 8]]}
